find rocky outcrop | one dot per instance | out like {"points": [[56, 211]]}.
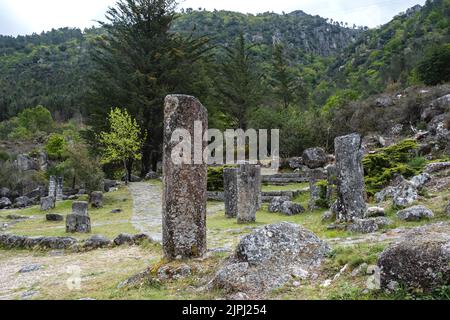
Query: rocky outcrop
{"points": [[275, 204], [314, 158], [415, 213], [22, 202], [368, 225], [437, 166], [5, 203], [270, 257], [96, 242], [418, 261], [47, 203], [10, 241]]}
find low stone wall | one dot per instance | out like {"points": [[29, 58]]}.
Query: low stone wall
{"points": [[284, 178], [216, 195], [265, 196], [11, 241]]}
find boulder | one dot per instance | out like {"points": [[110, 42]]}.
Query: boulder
{"points": [[151, 176], [25, 163], [368, 225], [275, 204], [54, 217], [420, 180], [375, 212], [418, 261], [405, 194], [384, 102], [96, 199], [437, 107], [36, 193], [80, 208], [314, 158], [328, 216], [270, 257], [5, 203], [5, 192], [22, 202], [109, 184], [437, 166], [78, 223], [290, 208], [22, 242], [295, 163], [124, 238], [95, 242], [47, 203], [415, 213]]}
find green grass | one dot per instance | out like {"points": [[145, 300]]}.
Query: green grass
{"points": [[103, 221]]}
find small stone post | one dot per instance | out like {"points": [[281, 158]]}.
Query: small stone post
{"points": [[230, 180], [59, 189], [314, 176], [184, 184], [79, 220], [248, 192]]}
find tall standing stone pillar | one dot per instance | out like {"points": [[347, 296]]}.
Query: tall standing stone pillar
{"points": [[350, 202], [52, 187], [230, 180], [185, 184], [59, 189], [248, 192]]}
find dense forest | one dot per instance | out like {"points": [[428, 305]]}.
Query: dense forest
{"points": [[290, 71]]}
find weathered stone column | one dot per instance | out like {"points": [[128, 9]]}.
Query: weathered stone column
{"points": [[230, 180], [52, 187], [185, 184], [314, 176], [79, 220], [350, 202], [248, 192], [59, 189]]}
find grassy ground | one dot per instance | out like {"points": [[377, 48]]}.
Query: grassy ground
{"points": [[102, 270]]}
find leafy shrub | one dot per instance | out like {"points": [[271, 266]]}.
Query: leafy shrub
{"points": [[36, 119], [215, 178], [399, 159], [435, 66], [56, 146], [322, 202]]}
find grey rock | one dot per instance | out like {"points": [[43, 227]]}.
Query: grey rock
{"points": [[22, 202], [97, 241], [116, 211], [418, 261], [96, 199], [405, 194], [420, 180], [275, 204], [437, 166], [296, 163], [109, 184], [30, 268], [36, 193], [54, 217], [270, 257], [5, 203], [5, 193], [26, 163], [328, 216], [16, 217], [80, 208], [350, 202], [368, 225], [47, 203], [21, 242], [184, 197], [123, 239], [290, 208], [78, 223], [248, 192], [314, 158], [415, 213], [384, 102], [151, 175], [375, 212]]}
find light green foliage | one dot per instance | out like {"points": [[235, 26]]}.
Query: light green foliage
{"points": [[399, 159], [124, 141], [56, 146], [36, 119]]}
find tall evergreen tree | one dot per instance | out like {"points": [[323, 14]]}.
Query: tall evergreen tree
{"points": [[239, 84], [138, 62]]}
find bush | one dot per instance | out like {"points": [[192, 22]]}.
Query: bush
{"points": [[56, 146], [215, 178], [381, 167], [36, 119], [435, 66]]}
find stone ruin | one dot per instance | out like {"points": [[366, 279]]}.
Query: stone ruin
{"points": [[96, 199], [52, 187], [248, 192], [59, 189], [242, 192], [184, 185], [314, 177], [79, 220], [350, 202]]}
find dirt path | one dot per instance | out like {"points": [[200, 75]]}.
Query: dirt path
{"points": [[147, 204]]}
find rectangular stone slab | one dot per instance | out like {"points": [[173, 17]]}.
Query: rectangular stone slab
{"points": [[184, 185]]}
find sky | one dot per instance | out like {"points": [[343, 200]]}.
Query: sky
{"points": [[28, 16]]}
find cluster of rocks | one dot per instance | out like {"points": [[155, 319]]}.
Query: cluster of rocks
{"points": [[11, 241], [285, 206]]}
